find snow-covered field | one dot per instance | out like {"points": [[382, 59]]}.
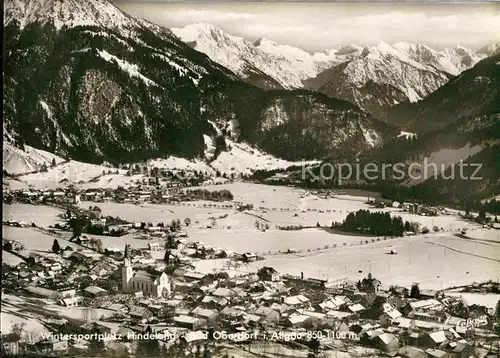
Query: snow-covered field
{"points": [[437, 262], [488, 300], [279, 204], [485, 235], [240, 158], [434, 260], [9, 320], [10, 259], [33, 312], [272, 241], [17, 161], [34, 240], [40, 215], [129, 239], [72, 172], [157, 213]]}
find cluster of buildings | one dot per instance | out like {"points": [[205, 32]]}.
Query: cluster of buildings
{"points": [[134, 194], [131, 293], [423, 210], [186, 307], [140, 193]]}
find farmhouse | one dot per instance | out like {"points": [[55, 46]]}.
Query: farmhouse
{"points": [[390, 314], [51, 345], [95, 291], [189, 322], [69, 302], [269, 274], [248, 257], [386, 342], [433, 340], [140, 313], [423, 305], [268, 314]]}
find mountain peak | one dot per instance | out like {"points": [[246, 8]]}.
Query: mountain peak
{"points": [[349, 49], [384, 46], [259, 41], [204, 27], [263, 41], [203, 32], [69, 13], [262, 62]]}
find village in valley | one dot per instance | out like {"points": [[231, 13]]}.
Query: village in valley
{"points": [[239, 269]]}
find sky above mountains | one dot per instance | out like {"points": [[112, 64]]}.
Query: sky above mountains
{"points": [[318, 26]]}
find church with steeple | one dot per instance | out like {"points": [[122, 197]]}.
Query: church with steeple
{"points": [[143, 281]]}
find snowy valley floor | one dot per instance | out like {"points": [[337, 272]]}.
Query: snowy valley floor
{"points": [[434, 260]]}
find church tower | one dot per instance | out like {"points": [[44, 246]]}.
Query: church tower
{"points": [[127, 271]]}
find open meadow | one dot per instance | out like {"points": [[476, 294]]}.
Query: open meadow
{"points": [[41, 215], [435, 260], [34, 240], [34, 312], [488, 300], [157, 213]]}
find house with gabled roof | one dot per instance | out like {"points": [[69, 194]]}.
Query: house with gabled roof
{"points": [[386, 342], [297, 320], [231, 314], [208, 314], [139, 313], [223, 292], [433, 339], [296, 301], [389, 315], [269, 274], [268, 314], [412, 352], [436, 353], [355, 308], [192, 323]]}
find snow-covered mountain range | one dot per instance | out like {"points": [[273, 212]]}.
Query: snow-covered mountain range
{"points": [[452, 60], [474, 93], [287, 65], [72, 13], [119, 89], [373, 78], [123, 90], [385, 75], [490, 50]]}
